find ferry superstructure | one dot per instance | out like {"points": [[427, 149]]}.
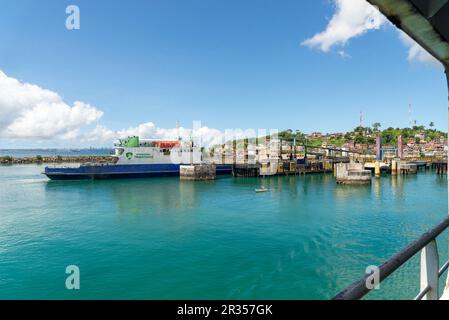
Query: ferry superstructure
{"points": [[137, 158]]}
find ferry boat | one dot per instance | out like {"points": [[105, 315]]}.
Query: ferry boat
{"points": [[138, 159]]}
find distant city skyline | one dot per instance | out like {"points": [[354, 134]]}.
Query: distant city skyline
{"points": [[137, 68]]}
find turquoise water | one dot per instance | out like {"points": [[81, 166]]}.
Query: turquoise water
{"points": [[306, 238]]}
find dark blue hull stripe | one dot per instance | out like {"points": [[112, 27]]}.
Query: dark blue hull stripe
{"points": [[120, 171]]}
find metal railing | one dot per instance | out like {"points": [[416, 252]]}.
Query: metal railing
{"points": [[430, 271]]}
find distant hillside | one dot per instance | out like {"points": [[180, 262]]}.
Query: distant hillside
{"points": [[366, 135]]}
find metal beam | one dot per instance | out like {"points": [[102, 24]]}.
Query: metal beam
{"points": [[407, 17], [447, 79]]}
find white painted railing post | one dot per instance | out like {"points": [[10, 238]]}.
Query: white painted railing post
{"points": [[429, 270]]}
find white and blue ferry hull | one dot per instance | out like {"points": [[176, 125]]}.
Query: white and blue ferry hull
{"points": [[120, 171]]}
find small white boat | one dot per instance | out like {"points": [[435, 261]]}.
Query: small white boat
{"points": [[263, 189]]}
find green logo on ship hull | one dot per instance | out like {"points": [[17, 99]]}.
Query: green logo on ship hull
{"points": [[129, 155]]}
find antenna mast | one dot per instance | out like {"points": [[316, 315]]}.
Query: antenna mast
{"points": [[410, 115]]}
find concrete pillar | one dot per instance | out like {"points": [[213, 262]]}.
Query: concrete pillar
{"points": [[326, 165], [377, 169], [393, 167], [400, 147], [281, 167], [379, 148]]}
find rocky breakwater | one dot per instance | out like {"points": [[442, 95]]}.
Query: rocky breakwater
{"points": [[7, 160]]}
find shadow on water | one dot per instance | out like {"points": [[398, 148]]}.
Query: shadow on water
{"points": [[137, 196]]}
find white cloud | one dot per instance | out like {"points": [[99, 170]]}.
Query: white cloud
{"points": [[352, 18], [28, 111], [416, 52], [149, 130], [33, 116], [202, 135], [344, 55], [99, 135]]}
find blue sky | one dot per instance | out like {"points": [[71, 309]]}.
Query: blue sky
{"points": [[229, 64]]}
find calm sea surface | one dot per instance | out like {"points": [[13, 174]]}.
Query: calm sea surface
{"points": [[306, 238]]}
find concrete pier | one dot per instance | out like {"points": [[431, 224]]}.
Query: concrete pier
{"points": [[407, 168], [283, 167], [439, 166], [246, 170], [197, 172], [352, 173]]}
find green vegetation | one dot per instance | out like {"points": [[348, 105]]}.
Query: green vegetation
{"points": [[360, 135], [390, 135], [6, 159], [376, 126], [366, 135]]}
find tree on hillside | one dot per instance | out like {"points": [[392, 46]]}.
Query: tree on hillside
{"points": [[389, 136], [376, 126], [431, 124], [359, 130], [348, 136], [360, 139]]}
